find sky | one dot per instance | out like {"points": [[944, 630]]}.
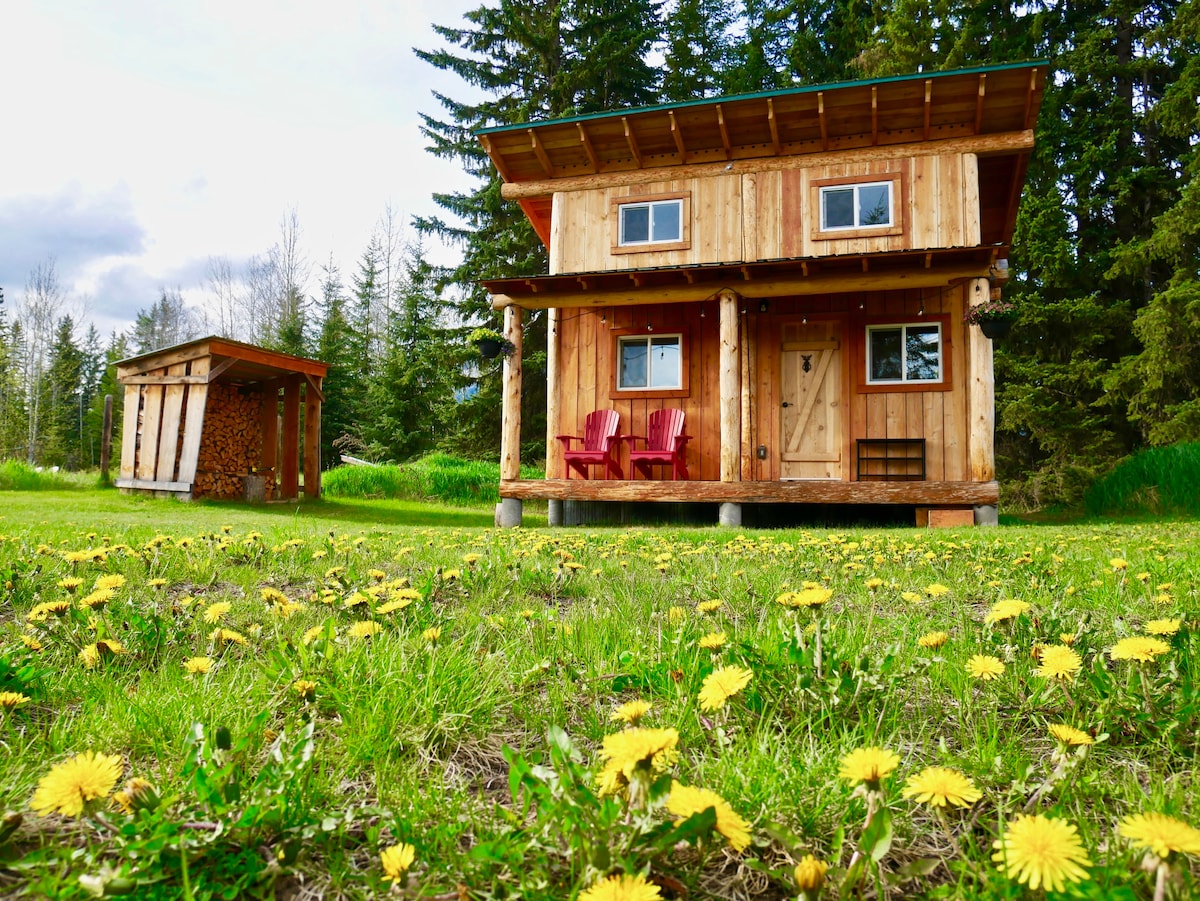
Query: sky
{"points": [[142, 137]]}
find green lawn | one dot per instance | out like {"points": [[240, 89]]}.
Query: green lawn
{"points": [[370, 675]]}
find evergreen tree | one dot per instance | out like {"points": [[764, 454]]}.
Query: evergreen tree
{"points": [[413, 398], [106, 384], [531, 59], [12, 401], [62, 404], [339, 345], [699, 49]]}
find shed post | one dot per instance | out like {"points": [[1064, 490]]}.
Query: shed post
{"points": [[269, 457], [312, 437], [289, 487], [731, 389]]}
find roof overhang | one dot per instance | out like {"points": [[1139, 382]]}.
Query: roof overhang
{"points": [[233, 361], [884, 271], [713, 135]]}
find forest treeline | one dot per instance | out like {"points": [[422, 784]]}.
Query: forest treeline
{"points": [[1105, 263]]}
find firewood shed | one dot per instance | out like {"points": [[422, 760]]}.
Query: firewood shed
{"points": [[221, 419]]}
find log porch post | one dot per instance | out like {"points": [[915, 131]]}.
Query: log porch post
{"points": [[312, 438], [509, 514], [981, 394], [289, 476], [731, 402]]}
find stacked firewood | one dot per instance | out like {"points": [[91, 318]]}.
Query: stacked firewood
{"points": [[231, 446]]}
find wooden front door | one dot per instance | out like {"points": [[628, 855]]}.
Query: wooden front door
{"points": [[811, 391]]}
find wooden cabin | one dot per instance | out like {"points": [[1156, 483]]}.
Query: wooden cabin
{"points": [[791, 270], [221, 419]]}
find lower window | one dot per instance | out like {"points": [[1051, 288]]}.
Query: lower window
{"points": [[904, 353], [650, 361]]}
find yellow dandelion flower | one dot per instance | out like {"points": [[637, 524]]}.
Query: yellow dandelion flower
{"points": [[1069, 735], [364, 629], [451, 575], [1118, 564], [1067, 638], [1005, 610], [227, 636], [911, 596], [722, 684], [622, 888], [42, 610], [712, 641], [810, 874], [709, 606], [632, 750], [72, 784], [1163, 626], [113, 581], [1139, 647], [933, 640], [311, 635], [199, 665], [157, 583], [941, 786], [70, 584], [396, 859], [432, 634], [214, 613], [872, 584], [676, 614], [94, 653], [684, 801], [1160, 834], [985, 667], [1059, 662], [392, 606], [630, 712], [812, 596], [1143, 577], [138, 794], [30, 641], [377, 574], [356, 599], [867, 765], [936, 590], [97, 599], [11, 700], [272, 595], [305, 688], [1040, 851]]}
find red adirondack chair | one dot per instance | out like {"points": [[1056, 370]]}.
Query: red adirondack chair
{"points": [[666, 445], [600, 443]]}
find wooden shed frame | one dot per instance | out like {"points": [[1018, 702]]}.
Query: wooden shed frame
{"points": [[166, 392], [755, 277]]}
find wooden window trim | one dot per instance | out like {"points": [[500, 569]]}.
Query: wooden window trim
{"points": [[618, 393], [899, 224], [862, 361], [685, 216]]}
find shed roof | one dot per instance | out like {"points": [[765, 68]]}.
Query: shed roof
{"points": [[237, 362]]}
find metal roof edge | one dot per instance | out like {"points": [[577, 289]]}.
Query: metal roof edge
{"points": [[781, 92]]}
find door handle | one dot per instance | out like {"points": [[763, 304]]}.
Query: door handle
{"points": [[786, 404]]}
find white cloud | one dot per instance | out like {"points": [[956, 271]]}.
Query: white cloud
{"points": [[145, 137]]}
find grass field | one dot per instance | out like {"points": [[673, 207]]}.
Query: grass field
{"points": [[351, 698]]}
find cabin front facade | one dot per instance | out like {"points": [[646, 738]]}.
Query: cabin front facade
{"points": [[790, 270]]}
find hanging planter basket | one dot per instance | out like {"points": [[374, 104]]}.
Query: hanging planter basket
{"points": [[995, 329], [489, 348]]}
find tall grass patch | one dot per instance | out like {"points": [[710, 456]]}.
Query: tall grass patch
{"points": [[441, 477], [18, 476], [1154, 482]]}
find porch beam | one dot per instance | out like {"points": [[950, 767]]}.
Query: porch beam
{"points": [[731, 389], [1001, 142], [926, 494], [878, 280]]}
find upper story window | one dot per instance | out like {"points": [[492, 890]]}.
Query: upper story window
{"points": [[856, 206], [903, 354], [658, 222], [649, 362]]}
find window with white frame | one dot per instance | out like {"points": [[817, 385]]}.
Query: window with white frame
{"points": [[865, 205], [902, 354], [650, 222], [650, 362]]}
